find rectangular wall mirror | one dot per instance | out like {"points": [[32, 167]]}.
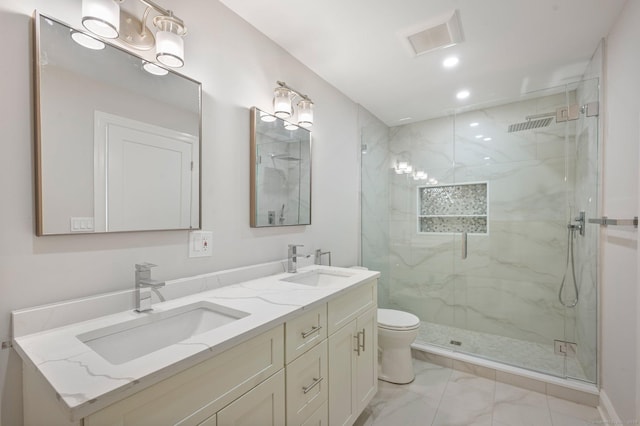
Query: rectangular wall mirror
{"points": [[280, 172], [117, 148]]}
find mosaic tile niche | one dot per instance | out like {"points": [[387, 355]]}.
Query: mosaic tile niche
{"points": [[453, 208]]}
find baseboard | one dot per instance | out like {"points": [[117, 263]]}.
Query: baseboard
{"points": [[607, 412]]}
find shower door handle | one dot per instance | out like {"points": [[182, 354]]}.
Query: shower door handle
{"points": [[464, 245]]}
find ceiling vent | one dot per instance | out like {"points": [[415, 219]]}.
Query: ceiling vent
{"points": [[435, 36]]}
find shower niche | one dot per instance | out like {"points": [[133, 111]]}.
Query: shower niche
{"points": [[453, 208]]}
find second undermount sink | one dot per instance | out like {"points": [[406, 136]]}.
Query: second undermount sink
{"points": [[123, 342], [319, 278]]}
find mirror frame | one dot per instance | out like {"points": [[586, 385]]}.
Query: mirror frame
{"points": [[253, 153], [38, 134]]}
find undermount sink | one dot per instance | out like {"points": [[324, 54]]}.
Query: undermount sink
{"points": [[132, 339], [319, 278]]}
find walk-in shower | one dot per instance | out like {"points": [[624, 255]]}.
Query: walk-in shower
{"points": [[506, 184]]}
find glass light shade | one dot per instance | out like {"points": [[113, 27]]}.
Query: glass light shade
{"points": [[87, 41], [169, 49], [267, 118], [282, 102], [154, 69], [101, 17], [290, 126], [305, 113]]}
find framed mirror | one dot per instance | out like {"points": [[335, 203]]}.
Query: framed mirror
{"points": [[280, 172], [117, 147]]}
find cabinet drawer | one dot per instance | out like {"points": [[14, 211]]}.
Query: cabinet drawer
{"points": [[347, 307], [194, 395], [307, 386], [305, 332]]}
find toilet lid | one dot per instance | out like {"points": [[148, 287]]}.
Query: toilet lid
{"points": [[390, 318]]}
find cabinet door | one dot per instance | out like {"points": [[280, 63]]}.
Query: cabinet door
{"points": [[263, 405], [343, 402], [319, 418], [367, 358]]}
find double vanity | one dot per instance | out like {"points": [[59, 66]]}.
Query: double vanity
{"points": [[252, 346]]}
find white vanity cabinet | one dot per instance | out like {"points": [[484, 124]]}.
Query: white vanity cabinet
{"points": [[318, 368], [353, 353], [194, 395], [336, 376], [307, 366]]}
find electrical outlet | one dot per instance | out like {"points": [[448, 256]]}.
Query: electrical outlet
{"points": [[200, 243]]}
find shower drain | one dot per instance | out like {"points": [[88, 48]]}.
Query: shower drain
{"points": [[455, 342]]}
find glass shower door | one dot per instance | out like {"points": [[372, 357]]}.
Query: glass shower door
{"points": [[506, 287]]}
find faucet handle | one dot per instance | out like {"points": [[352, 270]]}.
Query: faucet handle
{"points": [[143, 267], [295, 245]]}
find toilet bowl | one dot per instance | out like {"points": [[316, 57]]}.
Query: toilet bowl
{"points": [[396, 331]]}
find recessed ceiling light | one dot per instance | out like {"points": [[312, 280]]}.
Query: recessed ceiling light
{"points": [[450, 62], [474, 124], [405, 119], [479, 136], [486, 139], [487, 158], [463, 94]]}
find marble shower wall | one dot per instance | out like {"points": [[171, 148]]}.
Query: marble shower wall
{"points": [[508, 284]]}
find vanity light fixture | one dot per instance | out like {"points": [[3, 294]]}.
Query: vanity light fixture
{"points": [[101, 17], [283, 97], [86, 40], [154, 69], [402, 168], [105, 19], [290, 126], [267, 118]]}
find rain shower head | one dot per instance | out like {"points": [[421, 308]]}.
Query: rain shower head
{"points": [[530, 124]]}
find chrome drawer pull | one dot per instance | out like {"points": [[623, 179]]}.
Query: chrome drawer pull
{"points": [[306, 334], [363, 336], [315, 383], [357, 337]]}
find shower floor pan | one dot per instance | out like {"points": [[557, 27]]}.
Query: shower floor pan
{"points": [[528, 360]]}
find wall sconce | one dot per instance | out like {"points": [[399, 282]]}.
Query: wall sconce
{"points": [[283, 97], [402, 168], [105, 19]]}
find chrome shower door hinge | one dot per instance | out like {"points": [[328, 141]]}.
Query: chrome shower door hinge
{"points": [[570, 113], [569, 349]]}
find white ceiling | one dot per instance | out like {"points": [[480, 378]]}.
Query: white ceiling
{"points": [[511, 48]]}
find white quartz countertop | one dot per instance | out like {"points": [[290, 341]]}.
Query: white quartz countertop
{"points": [[84, 382]]}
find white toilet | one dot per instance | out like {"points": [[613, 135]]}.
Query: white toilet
{"points": [[396, 332]]}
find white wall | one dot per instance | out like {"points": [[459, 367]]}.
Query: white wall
{"points": [[620, 305], [238, 68]]}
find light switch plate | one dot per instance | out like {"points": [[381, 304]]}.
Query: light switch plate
{"points": [[200, 243], [82, 224]]}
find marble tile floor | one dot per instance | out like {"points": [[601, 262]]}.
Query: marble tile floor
{"points": [[441, 396], [520, 353]]}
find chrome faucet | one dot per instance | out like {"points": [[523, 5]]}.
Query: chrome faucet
{"points": [[318, 257], [144, 284], [292, 258]]}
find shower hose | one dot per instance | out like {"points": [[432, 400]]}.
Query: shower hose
{"points": [[570, 237]]}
